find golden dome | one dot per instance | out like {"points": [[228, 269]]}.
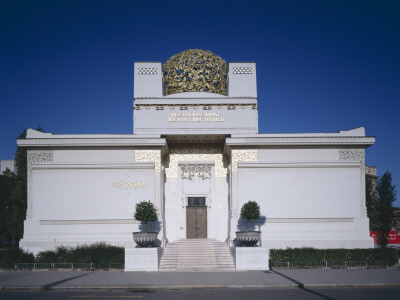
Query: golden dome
{"points": [[195, 70]]}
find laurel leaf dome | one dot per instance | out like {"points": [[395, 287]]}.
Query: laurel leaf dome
{"points": [[195, 70]]}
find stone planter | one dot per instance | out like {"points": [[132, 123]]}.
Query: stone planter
{"points": [[251, 258], [145, 239], [248, 238], [143, 259]]}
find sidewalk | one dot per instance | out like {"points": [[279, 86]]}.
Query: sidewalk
{"points": [[280, 278]]}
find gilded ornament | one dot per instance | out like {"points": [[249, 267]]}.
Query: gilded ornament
{"points": [[188, 171], [243, 155], [195, 70], [192, 153], [149, 156]]}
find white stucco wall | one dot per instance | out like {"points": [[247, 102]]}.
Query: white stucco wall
{"points": [[308, 197], [81, 196]]}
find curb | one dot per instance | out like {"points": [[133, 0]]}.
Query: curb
{"points": [[200, 286]]}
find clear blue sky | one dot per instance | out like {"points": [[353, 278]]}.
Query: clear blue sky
{"points": [[322, 66]]}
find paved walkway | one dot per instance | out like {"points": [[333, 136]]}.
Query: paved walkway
{"points": [[58, 280]]}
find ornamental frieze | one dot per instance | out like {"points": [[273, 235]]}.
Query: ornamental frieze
{"points": [[352, 154], [36, 156], [195, 106], [193, 153], [190, 170], [149, 156], [243, 155], [39, 156]]}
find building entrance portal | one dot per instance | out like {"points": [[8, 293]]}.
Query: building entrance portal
{"points": [[196, 218]]}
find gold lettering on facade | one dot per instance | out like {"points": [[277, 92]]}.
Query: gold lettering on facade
{"points": [[128, 185]]}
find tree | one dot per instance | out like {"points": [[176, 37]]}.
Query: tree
{"points": [[18, 205], [384, 205], [370, 199], [7, 185]]}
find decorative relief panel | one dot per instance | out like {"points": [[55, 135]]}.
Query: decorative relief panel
{"points": [[352, 154], [243, 155], [147, 71], [188, 171], [39, 156], [242, 70], [192, 152], [35, 156], [149, 156], [195, 106]]}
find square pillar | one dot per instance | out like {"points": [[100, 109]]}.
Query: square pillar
{"points": [[251, 258], [142, 259]]}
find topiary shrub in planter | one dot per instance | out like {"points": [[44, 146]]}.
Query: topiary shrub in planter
{"points": [[145, 211], [250, 211]]}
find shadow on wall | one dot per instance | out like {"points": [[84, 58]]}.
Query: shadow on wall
{"points": [[154, 226], [254, 225]]}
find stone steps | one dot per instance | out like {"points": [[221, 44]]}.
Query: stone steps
{"points": [[193, 255]]}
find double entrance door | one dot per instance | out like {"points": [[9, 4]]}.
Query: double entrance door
{"points": [[196, 218]]}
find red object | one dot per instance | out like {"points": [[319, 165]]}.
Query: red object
{"points": [[393, 237]]}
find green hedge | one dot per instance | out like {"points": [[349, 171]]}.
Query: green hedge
{"points": [[100, 254], [305, 255], [14, 255]]}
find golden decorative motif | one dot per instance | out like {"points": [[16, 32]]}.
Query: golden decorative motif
{"points": [[195, 70], [195, 106], [190, 170], [243, 155], [191, 153], [149, 156]]}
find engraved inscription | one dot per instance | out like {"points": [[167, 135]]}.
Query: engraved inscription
{"points": [[196, 117]]}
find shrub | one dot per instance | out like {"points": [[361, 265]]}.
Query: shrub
{"points": [[250, 211], [145, 211], [100, 254], [306, 255]]}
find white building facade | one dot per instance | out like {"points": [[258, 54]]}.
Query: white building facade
{"points": [[196, 144]]}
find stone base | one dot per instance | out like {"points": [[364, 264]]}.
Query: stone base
{"points": [[142, 259], [251, 258]]}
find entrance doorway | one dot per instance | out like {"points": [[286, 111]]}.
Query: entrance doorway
{"points": [[196, 218]]}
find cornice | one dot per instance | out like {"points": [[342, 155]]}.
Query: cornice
{"points": [[112, 141], [195, 97], [357, 141]]}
